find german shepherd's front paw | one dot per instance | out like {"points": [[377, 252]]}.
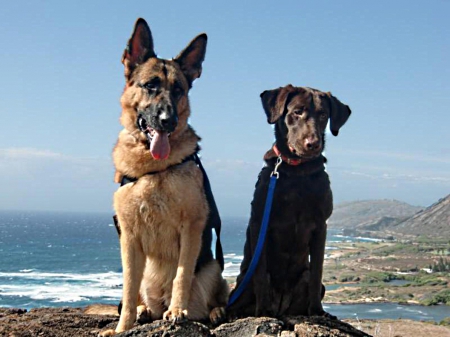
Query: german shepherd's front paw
{"points": [[105, 333], [144, 315], [176, 315], [217, 315]]}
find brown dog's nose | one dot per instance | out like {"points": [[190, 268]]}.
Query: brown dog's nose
{"points": [[312, 143]]}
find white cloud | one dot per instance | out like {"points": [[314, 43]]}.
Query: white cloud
{"points": [[31, 158], [27, 153], [414, 157], [43, 179], [425, 177]]}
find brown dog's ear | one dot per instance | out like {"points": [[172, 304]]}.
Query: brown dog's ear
{"points": [[192, 57], [274, 102], [339, 113], [139, 47]]}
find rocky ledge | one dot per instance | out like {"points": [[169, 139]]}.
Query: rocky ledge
{"points": [[55, 322]]}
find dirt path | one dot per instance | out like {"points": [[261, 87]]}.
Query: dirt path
{"points": [[400, 328]]}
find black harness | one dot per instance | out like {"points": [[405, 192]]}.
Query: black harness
{"points": [[127, 179], [213, 221]]}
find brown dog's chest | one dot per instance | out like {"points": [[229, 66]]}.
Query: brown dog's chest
{"points": [[300, 204], [296, 197]]}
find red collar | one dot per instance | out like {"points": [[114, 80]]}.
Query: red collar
{"points": [[287, 160]]}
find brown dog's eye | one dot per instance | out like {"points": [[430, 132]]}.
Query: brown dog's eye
{"points": [[299, 111], [323, 116]]}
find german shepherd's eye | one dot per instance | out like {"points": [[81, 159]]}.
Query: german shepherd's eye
{"points": [[152, 85], [323, 116], [177, 91]]}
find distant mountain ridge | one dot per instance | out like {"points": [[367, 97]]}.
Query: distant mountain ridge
{"points": [[432, 221], [382, 217], [351, 215]]}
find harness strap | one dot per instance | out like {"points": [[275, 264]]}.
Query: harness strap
{"points": [[213, 217], [127, 179]]}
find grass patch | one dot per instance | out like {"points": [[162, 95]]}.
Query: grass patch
{"points": [[442, 297], [426, 280], [445, 322], [378, 276], [349, 278]]}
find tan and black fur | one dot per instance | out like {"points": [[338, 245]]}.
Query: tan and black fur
{"points": [[163, 213]]}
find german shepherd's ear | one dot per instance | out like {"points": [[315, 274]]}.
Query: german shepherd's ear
{"points": [[192, 57], [339, 113], [139, 47], [274, 102]]}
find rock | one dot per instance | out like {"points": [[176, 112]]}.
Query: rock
{"points": [[59, 322], [167, 329], [321, 327], [51, 322], [288, 334], [251, 326], [7, 312]]}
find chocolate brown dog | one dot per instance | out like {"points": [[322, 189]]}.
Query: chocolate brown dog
{"points": [[162, 209], [288, 278]]}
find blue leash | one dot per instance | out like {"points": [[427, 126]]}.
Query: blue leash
{"points": [[262, 236]]}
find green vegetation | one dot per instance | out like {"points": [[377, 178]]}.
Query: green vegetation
{"points": [[372, 266], [404, 248], [433, 241], [376, 276], [349, 278], [426, 280], [445, 322], [442, 297], [442, 265], [391, 259]]}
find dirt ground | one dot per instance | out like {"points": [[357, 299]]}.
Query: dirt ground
{"points": [[400, 328]]}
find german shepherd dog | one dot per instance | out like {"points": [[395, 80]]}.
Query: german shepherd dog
{"points": [[288, 277], [163, 211]]}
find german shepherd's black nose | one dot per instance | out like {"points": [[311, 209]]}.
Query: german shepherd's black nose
{"points": [[168, 120]]}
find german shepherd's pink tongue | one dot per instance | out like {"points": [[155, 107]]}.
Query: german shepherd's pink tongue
{"points": [[160, 147]]}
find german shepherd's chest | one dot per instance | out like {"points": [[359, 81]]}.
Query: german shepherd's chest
{"points": [[161, 206]]}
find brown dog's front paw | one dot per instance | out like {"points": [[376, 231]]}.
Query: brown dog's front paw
{"points": [[217, 315], [328, 315], [176, 315], [321, 312]]}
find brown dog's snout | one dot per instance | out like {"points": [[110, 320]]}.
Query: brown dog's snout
{"points": [[312, 143]]}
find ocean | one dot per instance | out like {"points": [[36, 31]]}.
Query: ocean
{"points": [[51, 259]]}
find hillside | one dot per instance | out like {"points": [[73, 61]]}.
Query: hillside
{"points": [[432, 221], [370, 213]]}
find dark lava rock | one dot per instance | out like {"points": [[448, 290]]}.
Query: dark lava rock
{"points": [[58, 322]]}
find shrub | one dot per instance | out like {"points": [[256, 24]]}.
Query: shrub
{"points": [[442, 297], [373, 277], [445, 322], [348, 278]]}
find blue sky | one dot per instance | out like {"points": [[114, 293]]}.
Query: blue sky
{"points": [[62, 79]]}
